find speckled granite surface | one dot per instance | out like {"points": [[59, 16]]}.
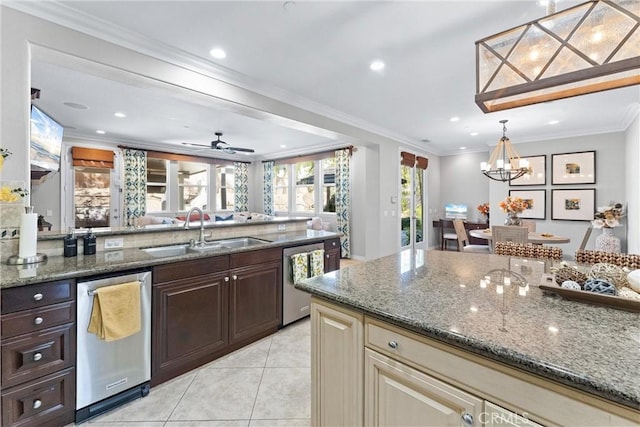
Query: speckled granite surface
{"points": [[59, 267], [439, 294]]}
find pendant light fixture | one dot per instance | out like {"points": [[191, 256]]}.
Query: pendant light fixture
{"points": [[504, 164], [588, 48]]}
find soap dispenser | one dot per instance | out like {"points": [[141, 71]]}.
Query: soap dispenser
{"points": [[89, 243], [70, 244]]}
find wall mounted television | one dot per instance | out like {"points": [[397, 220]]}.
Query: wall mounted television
{"points": [[46, 141], [455, 211]]}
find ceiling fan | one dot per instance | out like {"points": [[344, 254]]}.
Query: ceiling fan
{"points": [[222, 146]]}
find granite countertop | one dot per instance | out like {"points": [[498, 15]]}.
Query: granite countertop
{"points": [[439, 294], [60, 268]]}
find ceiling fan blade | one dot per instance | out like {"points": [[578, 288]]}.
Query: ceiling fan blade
{"points": [[196, 145], [244, 150]]}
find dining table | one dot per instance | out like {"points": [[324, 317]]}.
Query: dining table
{"points": [[535, 238]]}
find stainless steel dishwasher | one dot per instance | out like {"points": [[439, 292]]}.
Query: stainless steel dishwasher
{"points": [[111, 373], [296, 304]]}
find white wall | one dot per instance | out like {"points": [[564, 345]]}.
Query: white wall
{"points": [[632, 178], [462, 182], [46, 197]]}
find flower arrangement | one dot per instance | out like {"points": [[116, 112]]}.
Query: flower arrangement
{"points": [[514, 205], [608, 216], [483, 208], [10, 195]]}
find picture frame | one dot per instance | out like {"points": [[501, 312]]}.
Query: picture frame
{"points": [[538, 176], [573, 168], [537, 202], [577, 204]]}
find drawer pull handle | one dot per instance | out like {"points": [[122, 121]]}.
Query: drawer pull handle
{"points": [[226, 279], [38, 297], [37, 403], [37, 356], [467, 419], [38, 320], [393, 344], [235, 277]]}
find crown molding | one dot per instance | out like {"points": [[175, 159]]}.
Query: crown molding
{"points": [[61, 14]]}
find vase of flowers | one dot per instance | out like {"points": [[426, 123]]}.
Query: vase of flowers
{"points": [[607, 218], [513, 206], [484, 210]]}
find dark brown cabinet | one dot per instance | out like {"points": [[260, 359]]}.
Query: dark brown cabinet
{"points": [[38, 354], [331, 255]]}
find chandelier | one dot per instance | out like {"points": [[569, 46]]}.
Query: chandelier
{"points": [[588, 48], [504, 164]]}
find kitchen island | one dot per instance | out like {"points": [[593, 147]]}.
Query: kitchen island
{"points": [[426, 338]]}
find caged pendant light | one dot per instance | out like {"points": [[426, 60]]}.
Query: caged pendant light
{"points": [[504, 164], [592, 47]]}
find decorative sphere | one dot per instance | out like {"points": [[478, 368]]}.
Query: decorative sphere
{"points": [[634, 280], [599, 286], [570, 284]]}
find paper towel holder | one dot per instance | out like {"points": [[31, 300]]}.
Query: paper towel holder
{"points": [[17, 260]]}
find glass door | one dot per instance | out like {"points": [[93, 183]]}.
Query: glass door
{"points": [[92, 197], [411, 202]]}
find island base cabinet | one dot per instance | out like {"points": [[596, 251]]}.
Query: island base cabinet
{"points": [[337, 366], [190, 324], [398, 395]]}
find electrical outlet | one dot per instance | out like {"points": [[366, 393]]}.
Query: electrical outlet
{"points": [[282, 227], [114, 256], [49, 212], [113, 243]]}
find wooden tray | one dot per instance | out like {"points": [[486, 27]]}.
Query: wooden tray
{"points": [[594, 298]]}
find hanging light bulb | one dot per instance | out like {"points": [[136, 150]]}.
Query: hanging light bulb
{"points": [[504, 164]]}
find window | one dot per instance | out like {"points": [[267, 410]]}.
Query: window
{"points": [[156, 185], [192, 185], [328, 184], [92, 196], [225, 192], [304, 186], [281, 188]]}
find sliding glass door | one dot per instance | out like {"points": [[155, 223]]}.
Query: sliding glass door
{"points": [[412, 222]]}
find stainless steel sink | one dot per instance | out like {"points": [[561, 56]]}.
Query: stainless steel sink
{"points": [[166, 251], [215, 245]]}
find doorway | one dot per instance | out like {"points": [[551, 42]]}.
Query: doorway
{"points": [[412, 222]]}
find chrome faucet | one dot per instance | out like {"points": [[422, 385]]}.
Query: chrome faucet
{"points": [[200, 241]]}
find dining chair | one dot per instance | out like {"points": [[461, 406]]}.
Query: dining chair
{"points": [[509, 233], [463, 239], [445, 238], [531, 225], [528, 250], [585, 239]]}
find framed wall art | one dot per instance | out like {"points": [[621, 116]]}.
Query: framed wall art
{"points": [[573, 168], [537, 174], [535, 200], [573, 205]]}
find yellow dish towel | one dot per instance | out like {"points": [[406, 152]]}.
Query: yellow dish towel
{"points": [[317, 262], [299, 266], [116, 311]]}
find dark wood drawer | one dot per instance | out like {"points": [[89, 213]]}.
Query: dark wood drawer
{"points": [[33, 296], [37, 319], [331, 244], [186, 269], [243, 259], [30, 356], [48, 401]]}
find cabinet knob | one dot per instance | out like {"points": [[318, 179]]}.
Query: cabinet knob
{"points": [[37, 356], [37, 403], [38, 320], [38, 297], [393, 344], [226, 279], [235, 277], [327, 256], [467, 419]]}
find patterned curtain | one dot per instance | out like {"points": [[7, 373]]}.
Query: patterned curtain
{"points": [[241, 186], [268, 187], [135, 183], [343, 199]]}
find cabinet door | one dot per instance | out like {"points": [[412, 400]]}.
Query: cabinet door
{"points": [[189, 324], [336, 360], [397, 395], [331, 260], [255, 301]]}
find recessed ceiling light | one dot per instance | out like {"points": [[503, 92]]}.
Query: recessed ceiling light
{"points": [[553, 329], [283, 146], [101, 132], [454, 119], [218, 53], [554, 122], [474, 134], [119, 114], [463, 148], [377, 65], [76, 105]]}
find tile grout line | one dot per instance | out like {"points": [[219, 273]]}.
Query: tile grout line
{"points": [[255, 400], [182, 397]]}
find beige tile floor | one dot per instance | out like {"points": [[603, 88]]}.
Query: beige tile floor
{"points": [[265, 384]]}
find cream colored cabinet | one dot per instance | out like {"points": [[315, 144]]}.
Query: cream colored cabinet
{"points": [[337, 345], [496, 416], [398, 395]]}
